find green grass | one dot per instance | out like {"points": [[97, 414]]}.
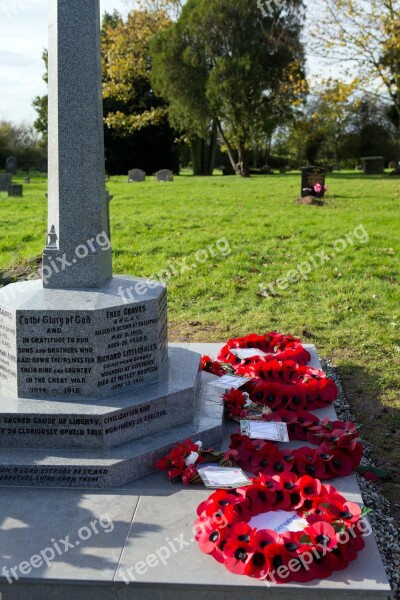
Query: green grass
{"points": [[348, 307]]}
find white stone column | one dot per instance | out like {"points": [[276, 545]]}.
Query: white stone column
{"points": [[77, 253]]}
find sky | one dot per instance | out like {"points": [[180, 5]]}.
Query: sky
{"points": [[23, 36]]}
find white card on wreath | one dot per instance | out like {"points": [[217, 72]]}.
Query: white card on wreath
{"points": [[247, 352], [227, 382], [265, 430], [279, 521], [223, 477]]}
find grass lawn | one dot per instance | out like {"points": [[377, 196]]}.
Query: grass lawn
{"points": [[348, 306]]}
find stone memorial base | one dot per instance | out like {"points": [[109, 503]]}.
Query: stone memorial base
{"points": [[136, 542], [106, 446], [90, 395]]}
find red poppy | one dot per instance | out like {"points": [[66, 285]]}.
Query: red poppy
{"points": [[349, 512], [239, 549], [322, 535], [235, 401], [212, 366], [308, 462]]}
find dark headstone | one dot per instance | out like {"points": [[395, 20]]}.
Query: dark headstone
{"points": [[373, 165], [11, 165], [335, 167], [15, 190], [165, 175], [313, 182], [27, 180], [43, 168], [136, 175], [267, 170], [5, 181]]}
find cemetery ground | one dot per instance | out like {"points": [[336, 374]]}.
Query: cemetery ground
{"points": [[228, 242]]}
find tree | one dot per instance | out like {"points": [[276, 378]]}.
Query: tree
{"points": [[137, 131], [126, 70], [41, 103], [365, 33], [227, 66], [20, 141], [334, 107]]}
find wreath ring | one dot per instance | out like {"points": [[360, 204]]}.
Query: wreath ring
{"points": [[330, 537]]}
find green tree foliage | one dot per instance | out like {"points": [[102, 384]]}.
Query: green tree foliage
{"points": [[137, 131], [20, 141], [41, 104], [226, 64], [365, 33]]}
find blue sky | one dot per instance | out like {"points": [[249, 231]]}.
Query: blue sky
{"points": [[23, 35]]}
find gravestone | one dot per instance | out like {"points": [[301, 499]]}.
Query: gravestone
{"points": [[27, 179], [43, 166], [165, 175], [373, 165], [5, 181], [11, 165], [313, 182], [136, 175], [84, 358], [15, 190]]}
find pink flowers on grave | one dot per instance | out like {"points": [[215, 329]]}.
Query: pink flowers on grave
{"points": [[318, 188]]}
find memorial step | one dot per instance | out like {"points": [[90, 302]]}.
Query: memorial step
{"points": [[100, 423], [40, 467]]}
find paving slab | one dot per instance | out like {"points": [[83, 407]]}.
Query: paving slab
{"points": [[152, 518]]}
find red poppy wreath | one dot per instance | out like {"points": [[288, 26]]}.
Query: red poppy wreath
{"points": [[275, 346], [281, 384], [328, 537]]}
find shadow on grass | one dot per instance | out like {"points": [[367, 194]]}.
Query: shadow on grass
{"points": [[380, 424]]}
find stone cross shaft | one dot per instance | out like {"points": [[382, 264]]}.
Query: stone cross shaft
{"points": [[78, 252]]}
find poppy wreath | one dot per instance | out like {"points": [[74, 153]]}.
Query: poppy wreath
{"points": [[331, 538], [330, 459], [288, 385], [276, 346]]}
